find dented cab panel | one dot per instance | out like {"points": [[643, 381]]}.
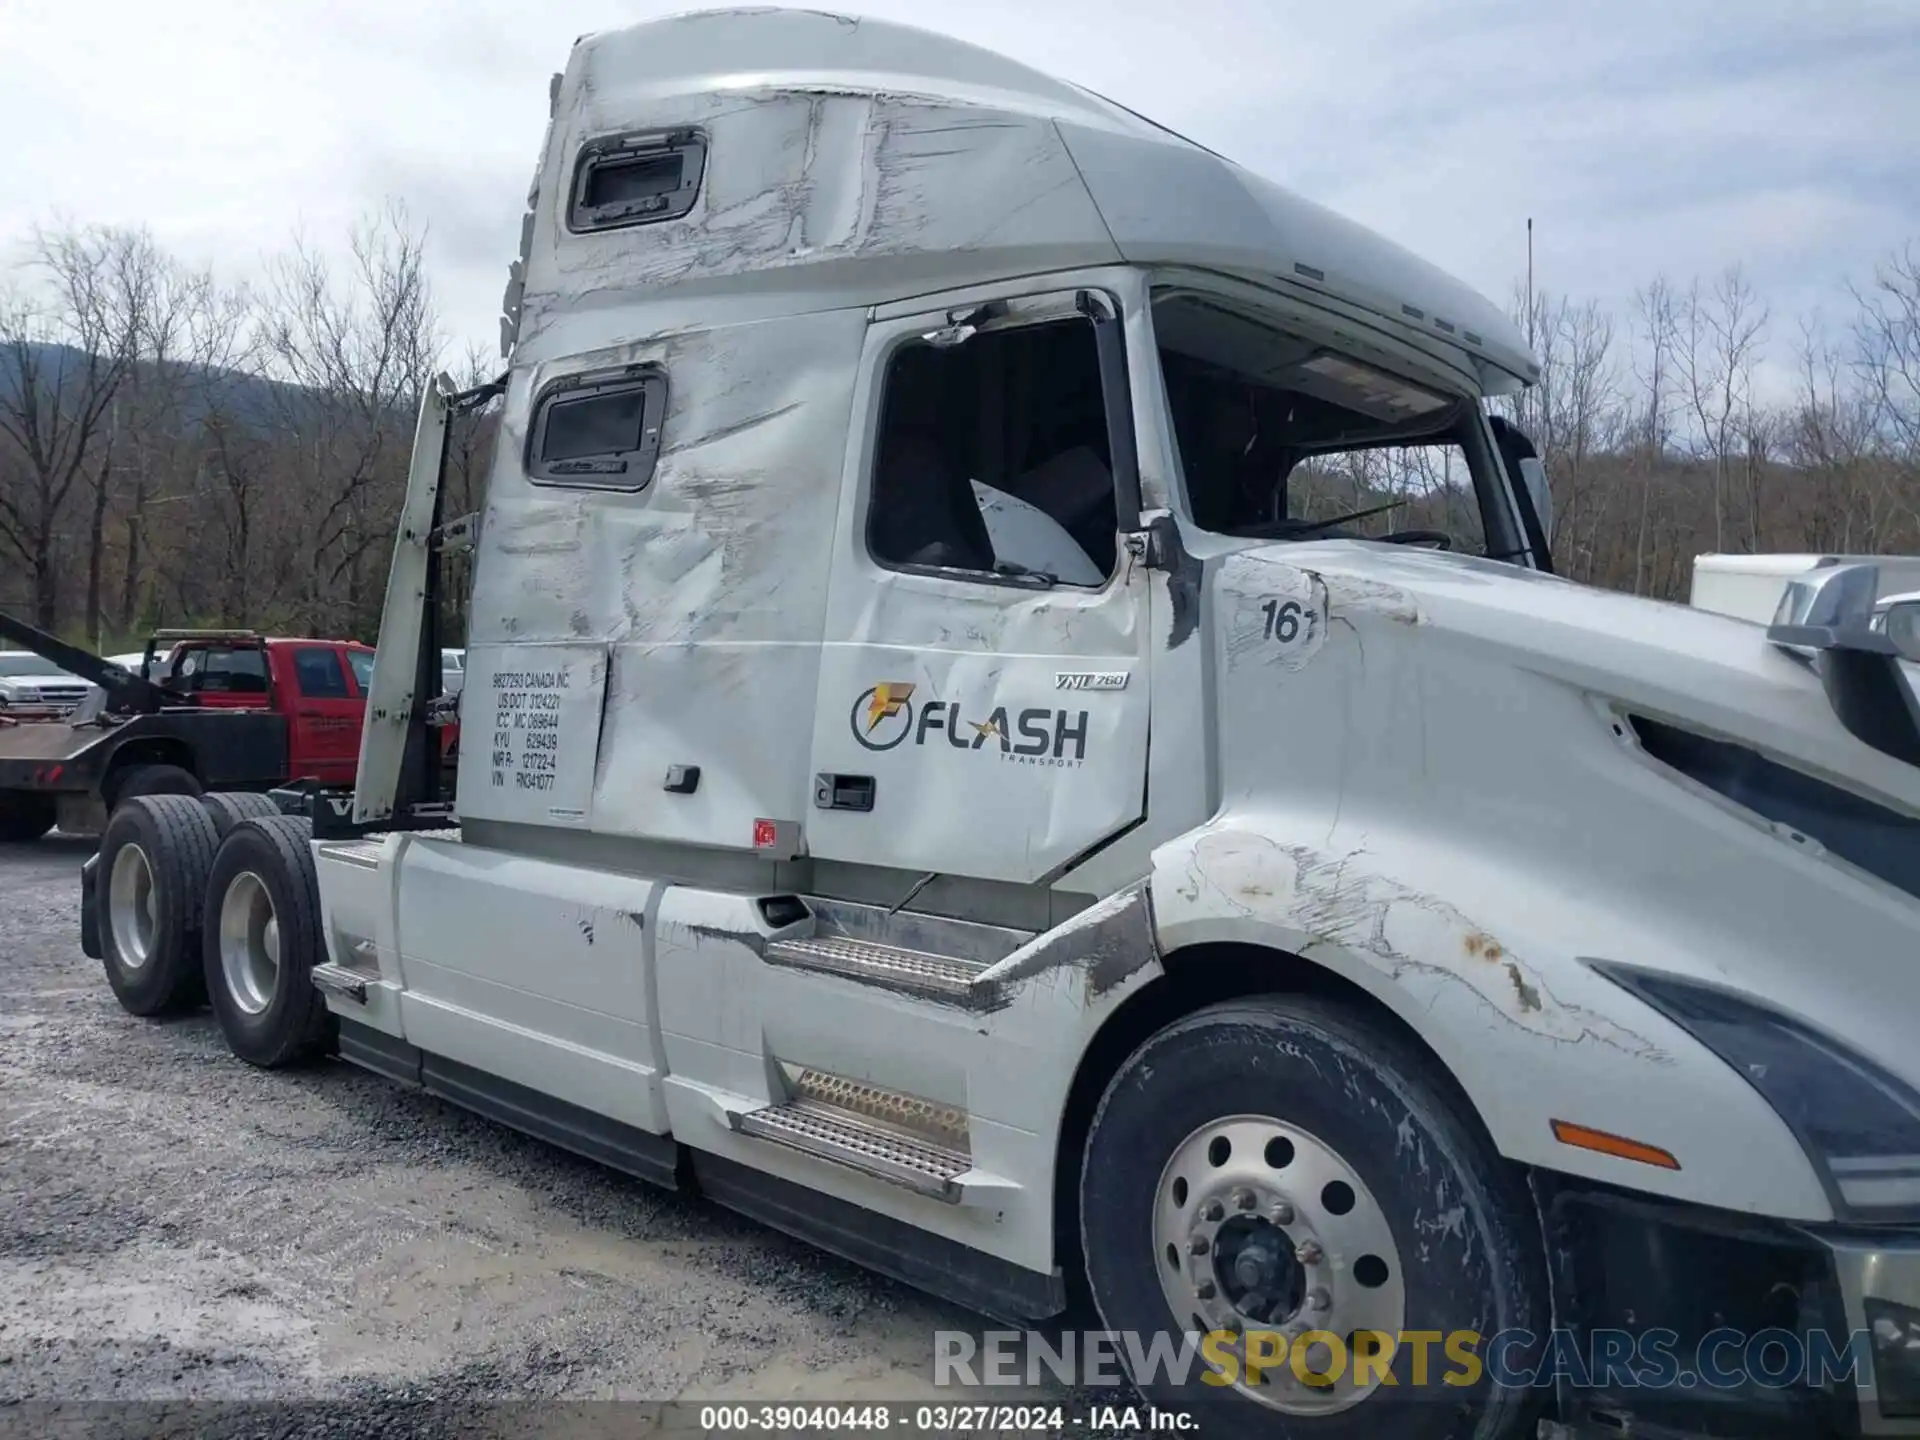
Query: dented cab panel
{"points": [[1430, 787], [700, 589]]}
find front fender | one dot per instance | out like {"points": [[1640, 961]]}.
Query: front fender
{"points": [[1493, 987]]}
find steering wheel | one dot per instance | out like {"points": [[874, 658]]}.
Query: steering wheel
{"points": [[1438, 539]]}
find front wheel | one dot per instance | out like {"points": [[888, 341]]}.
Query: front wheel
{"points": [[1298, 1193]]}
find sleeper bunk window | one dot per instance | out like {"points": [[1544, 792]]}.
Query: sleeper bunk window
{"points": [[639, 179], [599, 433]]}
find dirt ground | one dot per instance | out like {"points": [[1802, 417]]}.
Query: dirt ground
{"points": [[177, 1226]]}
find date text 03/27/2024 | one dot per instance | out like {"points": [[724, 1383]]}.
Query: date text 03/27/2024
{"points": [[940, 1419]]}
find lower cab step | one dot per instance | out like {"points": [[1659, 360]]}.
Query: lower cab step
{"points": [[877, 1150], [905, 1140]]}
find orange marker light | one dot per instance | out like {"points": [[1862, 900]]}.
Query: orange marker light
{"points": [[1581, 1138]]}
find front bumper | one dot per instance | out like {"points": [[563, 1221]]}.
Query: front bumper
{"points": [[1731, 1326], [1878, 1275]]}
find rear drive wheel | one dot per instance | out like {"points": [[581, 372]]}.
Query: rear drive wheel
{"points": [[227, 808], [261, 939], [25, 815], [1278, 1175], [152, 780], [154, 858]]}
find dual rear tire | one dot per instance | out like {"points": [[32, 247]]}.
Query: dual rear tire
{"points": [[216, 904]]}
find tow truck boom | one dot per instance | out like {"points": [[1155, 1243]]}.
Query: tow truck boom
{"points": [[125, 691]]}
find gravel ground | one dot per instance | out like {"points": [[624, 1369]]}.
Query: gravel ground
{"points": [[178, 1227]]}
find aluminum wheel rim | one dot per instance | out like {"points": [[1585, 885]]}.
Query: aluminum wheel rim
{"points": [[249, 943], [132, 910], [1260, 1226]]}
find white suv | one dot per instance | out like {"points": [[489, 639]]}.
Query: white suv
{"points": [[29, 681]]}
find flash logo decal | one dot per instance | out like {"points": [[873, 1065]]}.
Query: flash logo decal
{"points": [[886, 702], [883, 716]]}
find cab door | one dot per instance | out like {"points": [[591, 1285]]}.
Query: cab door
{"points": [[324, 714], [982, 708]]}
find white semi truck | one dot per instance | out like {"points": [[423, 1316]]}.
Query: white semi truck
{"points": [[979, 754]]}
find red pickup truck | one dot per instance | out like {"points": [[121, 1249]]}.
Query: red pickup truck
{"points": [[236, 711]]}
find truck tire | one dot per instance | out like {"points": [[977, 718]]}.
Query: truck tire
{"points": [[1277, 1165], [261, 939], [227, 808], [25, 815], [152, 869], [150, 780]]}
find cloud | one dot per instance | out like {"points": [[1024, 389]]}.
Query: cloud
{"points": [[1642, 137]]}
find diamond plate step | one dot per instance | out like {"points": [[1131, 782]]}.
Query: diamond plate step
{"points": [[939, 1125], [912, 972], [878, 1150]]}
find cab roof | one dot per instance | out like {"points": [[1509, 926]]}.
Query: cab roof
{"points": [[848, 154]]}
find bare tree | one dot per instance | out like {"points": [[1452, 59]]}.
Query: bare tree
{"points": [[1887, 345], [1719, 339], [66, 347], [147, 309], [1650, 427], [352, 359]]}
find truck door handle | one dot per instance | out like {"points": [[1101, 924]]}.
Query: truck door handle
{"points": [[843, 792]]}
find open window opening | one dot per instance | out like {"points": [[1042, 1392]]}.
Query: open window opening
{"points": [[1282, 436], [993, 458]]}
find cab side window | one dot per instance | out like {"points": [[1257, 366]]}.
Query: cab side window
{"points": [[217, 670], [317, 671], [992, 457]]}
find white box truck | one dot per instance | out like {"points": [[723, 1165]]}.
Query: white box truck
{"points": [[1749, 587], [1019, 726]]}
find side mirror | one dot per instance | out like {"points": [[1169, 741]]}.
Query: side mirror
{"points": [[1900, 619]]}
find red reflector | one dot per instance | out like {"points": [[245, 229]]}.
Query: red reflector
{"points": [[764, 835], [53, 775]]}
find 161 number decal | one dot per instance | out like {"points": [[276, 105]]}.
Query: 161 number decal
{"points": [[1284, 620]]}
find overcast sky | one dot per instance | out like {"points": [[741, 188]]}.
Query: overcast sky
{"points": [[1641, 135]]}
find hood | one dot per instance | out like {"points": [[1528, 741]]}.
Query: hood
{"points": [[1667, 661], [1460, 732]]}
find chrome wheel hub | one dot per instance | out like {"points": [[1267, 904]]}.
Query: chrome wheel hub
{"points": [[249, 943], [1263, 1231], [132, 914]]}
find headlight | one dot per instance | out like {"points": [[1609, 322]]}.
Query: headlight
{"points": [[1859, 1125]]}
